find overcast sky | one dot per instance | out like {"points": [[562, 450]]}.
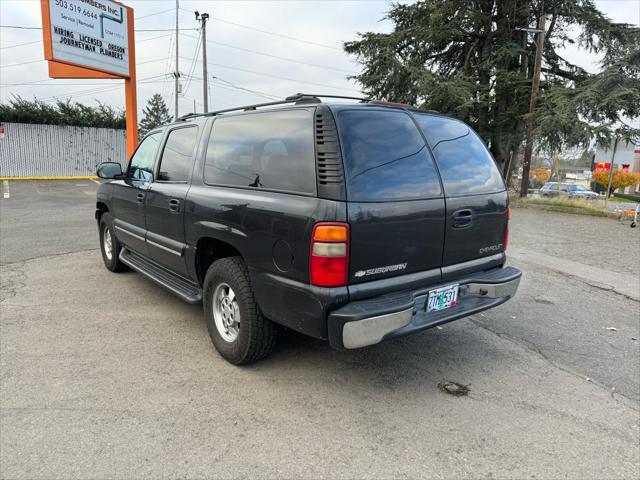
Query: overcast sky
{"points": [[315, 30]]}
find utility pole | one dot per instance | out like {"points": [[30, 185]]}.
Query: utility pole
{"points": [[203, 17], [177, 72], [535, 86], [611, 167]]}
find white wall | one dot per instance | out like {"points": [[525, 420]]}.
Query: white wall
{"points": [[29, 150]]}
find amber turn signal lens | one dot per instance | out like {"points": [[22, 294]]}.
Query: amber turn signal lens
{"points": [[331, 233]]}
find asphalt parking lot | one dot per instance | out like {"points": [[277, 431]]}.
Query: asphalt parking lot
{"points": [[105, 375]]}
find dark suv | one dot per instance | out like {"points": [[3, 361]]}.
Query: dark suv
{"points": [[350, 222]]}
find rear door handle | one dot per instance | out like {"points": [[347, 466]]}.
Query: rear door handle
{"points": [[140, 197], [174, 205], [462, 218]]}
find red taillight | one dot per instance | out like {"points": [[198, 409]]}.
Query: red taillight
{"points": [[506, 231], [329, 255]]}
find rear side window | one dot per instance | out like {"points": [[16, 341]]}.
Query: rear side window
{"points": [[385, 157], [466, 166], [177, 155], [270, 150]]}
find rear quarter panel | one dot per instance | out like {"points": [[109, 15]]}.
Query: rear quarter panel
{"points": [[272, 232]]}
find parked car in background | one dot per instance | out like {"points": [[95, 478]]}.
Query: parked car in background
{"points": [[352, 223], [576, 190], [551, 189], [571, 190]]}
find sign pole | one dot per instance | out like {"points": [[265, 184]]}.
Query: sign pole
{"points": [[130, 91]]}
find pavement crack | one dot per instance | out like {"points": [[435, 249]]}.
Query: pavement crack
{"points": [[600, 286], [17, 262], [619, 397]]}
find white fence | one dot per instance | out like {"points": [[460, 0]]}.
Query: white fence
{"points": [[29, 150]]}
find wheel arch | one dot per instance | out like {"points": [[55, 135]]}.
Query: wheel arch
{"points": [[101, 208], [210, 249]]}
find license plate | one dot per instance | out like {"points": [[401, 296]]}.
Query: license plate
{"points": [[442, 298]]}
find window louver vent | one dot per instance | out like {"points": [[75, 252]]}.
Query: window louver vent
{"points": [[329, 158]]}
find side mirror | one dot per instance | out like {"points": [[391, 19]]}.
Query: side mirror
{"points": [[110, 170]]}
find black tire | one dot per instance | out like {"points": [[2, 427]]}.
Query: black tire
{"points": [[256, 335], [114, 264]]}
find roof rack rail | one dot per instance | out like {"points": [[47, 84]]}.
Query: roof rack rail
{"points": [[187, 115], [298, 98]]}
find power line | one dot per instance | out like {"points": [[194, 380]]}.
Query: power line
{"points": [[237, 87], [20, 28], [90, 91], [279, 77], [157, 13], [42, 60], [39, 41], [167, 67], [21, 63], [282, 78], [267, 32], [137, 29], [277, 34], [227, 85], [277, 57], [241, 90], [154, 38], [162, 29], [20, 44], [40, 83], [192, 67]]}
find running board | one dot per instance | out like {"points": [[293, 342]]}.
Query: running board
{"points": [[172, 282]]}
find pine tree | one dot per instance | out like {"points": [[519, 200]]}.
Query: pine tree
{"points": [[473, 60], [155, 114]]}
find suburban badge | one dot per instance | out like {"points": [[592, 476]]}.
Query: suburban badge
{"points": [[377, 270]]}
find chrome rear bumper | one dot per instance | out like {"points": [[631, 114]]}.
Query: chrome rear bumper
{"points": [[367, 322]]}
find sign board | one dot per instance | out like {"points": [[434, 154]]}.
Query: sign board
{"points": [[88, 33]]}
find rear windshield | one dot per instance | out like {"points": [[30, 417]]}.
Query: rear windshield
{"points": [[385, 157], [465, 164]]}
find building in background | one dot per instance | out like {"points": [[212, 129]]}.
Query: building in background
{"points": [[627, 157]]}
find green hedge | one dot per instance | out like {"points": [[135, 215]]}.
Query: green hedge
{"points": [[69, 113], [629, 196]]}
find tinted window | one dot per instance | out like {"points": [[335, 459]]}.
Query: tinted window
{"points": [[141, 166], [177, 156], [385, 157], [466, 166], [272, 150]]}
